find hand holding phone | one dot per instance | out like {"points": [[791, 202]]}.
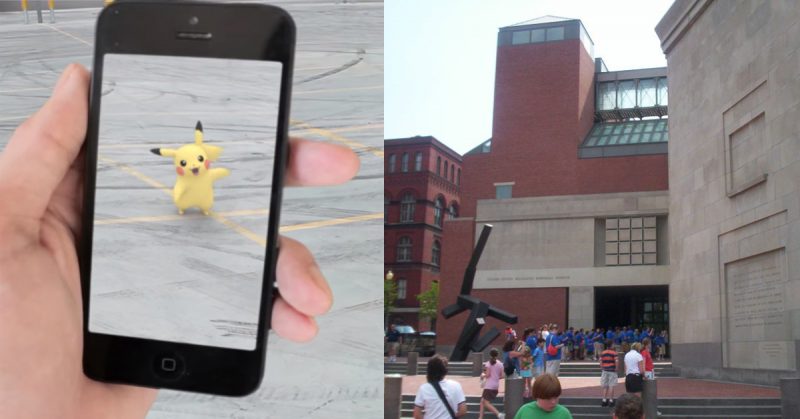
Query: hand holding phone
{"points": [[40, 297]]}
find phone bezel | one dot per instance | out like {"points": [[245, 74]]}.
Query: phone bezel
{"points": [[239, 31]]}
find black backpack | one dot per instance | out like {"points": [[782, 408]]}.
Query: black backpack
{"points": [[508, 366]]}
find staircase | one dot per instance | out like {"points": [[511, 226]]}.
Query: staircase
{"points": [[590, 408], [568, 369]]}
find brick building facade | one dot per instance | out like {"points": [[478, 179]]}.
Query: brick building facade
{"points": [[422, 189], [574, 181]]}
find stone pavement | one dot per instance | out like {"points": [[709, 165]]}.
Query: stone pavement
{"points": [[589, 387]]}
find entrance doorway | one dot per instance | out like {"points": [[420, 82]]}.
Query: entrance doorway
{"points": [[640, 307]]}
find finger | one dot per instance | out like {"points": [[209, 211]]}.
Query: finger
{"points": [[314, 163], [300, 280], [44, 147], [291, 324]]}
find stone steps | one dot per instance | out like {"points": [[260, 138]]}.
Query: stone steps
{"points": [[572, 369], [584, 407]]}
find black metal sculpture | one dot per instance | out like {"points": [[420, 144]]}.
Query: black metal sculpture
{"points": [[470, 339]]}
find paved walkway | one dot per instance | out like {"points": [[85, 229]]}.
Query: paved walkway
{"points": [[589, 387]]}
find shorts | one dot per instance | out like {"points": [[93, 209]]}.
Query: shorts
{"points": [[393, 346], [539, 370], [609, 379], [525, 373], [489, 394], [634, 383]]}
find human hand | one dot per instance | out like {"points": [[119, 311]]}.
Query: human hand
{"points": [[41, 341]]}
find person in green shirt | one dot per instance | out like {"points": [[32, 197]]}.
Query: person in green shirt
{"points": [[546, 391]]}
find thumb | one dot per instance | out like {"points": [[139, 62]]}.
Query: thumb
{"points": [[42, 149]]}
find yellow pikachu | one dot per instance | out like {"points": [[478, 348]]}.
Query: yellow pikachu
{"points": [[194, 186]]}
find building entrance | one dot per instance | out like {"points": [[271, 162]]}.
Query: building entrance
{"points": [[640, 307]]}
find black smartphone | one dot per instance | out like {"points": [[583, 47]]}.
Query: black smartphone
{"points": [[185, 156]]}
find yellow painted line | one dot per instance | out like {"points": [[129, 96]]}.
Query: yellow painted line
{"points": [[139, 175], [69, 35], [176, 217], [346, 89], [358, 128], [240, 229], [338, 138], [335, 221]]}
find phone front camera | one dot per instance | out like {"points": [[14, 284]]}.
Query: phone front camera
{"points": [[193, 20]]}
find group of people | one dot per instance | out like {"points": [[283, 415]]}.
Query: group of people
{"points": [[582, 344], [440, 398]]}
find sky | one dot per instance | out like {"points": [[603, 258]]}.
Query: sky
{"points": [[440, 57]]}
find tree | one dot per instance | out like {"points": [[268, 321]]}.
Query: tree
{"points": [[389, 297], [428, 304]]}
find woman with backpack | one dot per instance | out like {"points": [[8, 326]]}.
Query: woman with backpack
{"points": [[492, 373]]}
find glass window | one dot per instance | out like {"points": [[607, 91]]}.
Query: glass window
{"points": [[404, 164], [392, 163], [458, 178], [436, 253], [537, 35], [439, 166], [520, 37], [627, 94], [663, 94], [385, 209], [445, 169], [502, 191], [555, 34], [606, 97], [452, 173], [452, 212], [418, 161], [438, 207], [407, 208], [404, 249], [401, 289], [647, 92]]}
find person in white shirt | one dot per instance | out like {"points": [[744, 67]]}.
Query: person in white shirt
{"points": [[634, 368], [428, 404]]}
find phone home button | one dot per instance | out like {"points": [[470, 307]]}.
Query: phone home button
{"points": [[169, 366]]}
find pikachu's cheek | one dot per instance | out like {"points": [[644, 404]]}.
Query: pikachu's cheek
{"points": [[207, 163], [179, 170]]}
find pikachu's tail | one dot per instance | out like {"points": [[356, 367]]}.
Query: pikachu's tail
{"points": [[198, 133]]}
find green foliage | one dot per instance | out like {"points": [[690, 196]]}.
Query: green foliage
{"points": [[389, 295], [428, 303]]}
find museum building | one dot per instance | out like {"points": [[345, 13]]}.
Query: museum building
{"points": [[595, 226], [574, 182]]}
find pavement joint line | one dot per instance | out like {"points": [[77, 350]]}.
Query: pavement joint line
{"points": [[68, 34], [336, 137], [331, 222], [24, 90], [175, 217]]}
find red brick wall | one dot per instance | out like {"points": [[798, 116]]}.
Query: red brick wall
{"points": [[544, 105]]}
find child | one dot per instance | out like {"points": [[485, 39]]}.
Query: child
{"points": [[608, 377], [525, 367], [538, 358]]}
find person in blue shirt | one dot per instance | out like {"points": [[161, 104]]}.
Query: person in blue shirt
{"points": [[578, 351], [589, 344], [629, 335], [538, 358], [553, 362]]}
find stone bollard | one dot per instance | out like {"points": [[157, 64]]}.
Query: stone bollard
{"points": [[412, 363], [512, 399], [650, 399], [477, 363], [790, 398], [392, 395]]}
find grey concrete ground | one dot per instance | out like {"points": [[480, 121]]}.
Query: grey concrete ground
{"points": [[338, 97]]}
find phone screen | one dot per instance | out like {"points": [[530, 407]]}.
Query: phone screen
{"points": [[179, 236]]}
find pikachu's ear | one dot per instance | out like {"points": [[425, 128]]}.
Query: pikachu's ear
{"points": [[212, 151], [198, 133], [166, 152]]}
